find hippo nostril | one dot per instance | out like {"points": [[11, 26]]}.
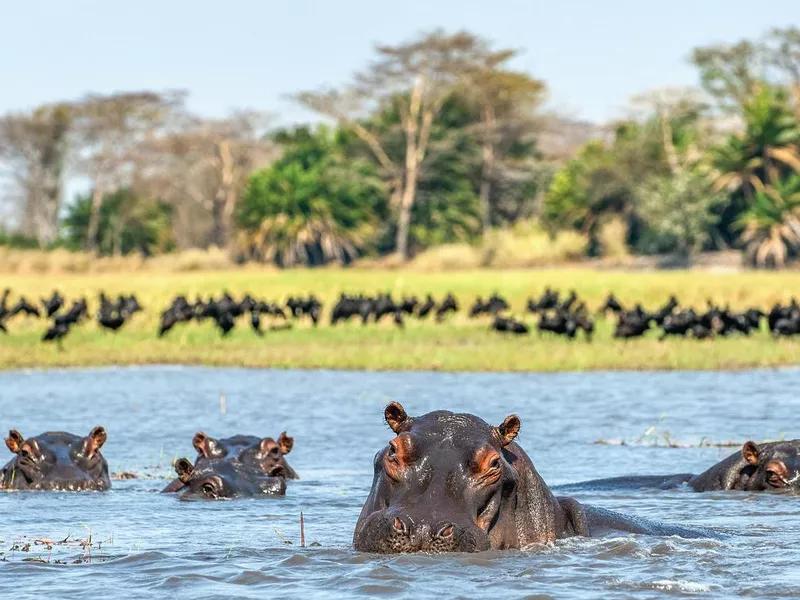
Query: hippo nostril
{"points": [[399, 526], [446, 531]]}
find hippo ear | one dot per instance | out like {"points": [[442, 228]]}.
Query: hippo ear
{"points": [[14, 441], [750, 453], [95, 441], [508, 430], [285, 443], [396, 416], [200, 443], [184, 469]]}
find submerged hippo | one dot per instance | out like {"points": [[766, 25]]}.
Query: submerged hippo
{"points": [[56, 461], [769, 467], [263, 454], [216, 479], [453, 483]]}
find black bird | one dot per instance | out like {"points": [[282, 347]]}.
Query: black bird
{"points": [[169, 318], [53, 304], [56, 333], [425, 309], [612, 304], [76, 312], [255, 323], [23, 306], [509, 325], [449, 304], [106, 306], [225, 322], [112, 321]]}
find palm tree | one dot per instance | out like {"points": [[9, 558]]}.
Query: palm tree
{"points": [[768, 148], [309, 239], [772, 131], [735, 168], [771, 225], [309, 207]]}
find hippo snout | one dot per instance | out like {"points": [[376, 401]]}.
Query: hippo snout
{"points": [[390, 533]]}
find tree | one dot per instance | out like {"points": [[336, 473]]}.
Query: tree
{"points": [[34, 148], [729, 73], [665, 138], [506, 101], [771, 224], [310, 206], [681, 207], [126, 223], [111, 129], [732, 73], [765, 151], [418, 76], [205, 164]]}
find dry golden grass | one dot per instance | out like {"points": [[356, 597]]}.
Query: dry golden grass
{"points": [[60, 262]]}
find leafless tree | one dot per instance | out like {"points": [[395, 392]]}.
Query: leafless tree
{"points": [[110, 130], [202, 168], [33, 148]]}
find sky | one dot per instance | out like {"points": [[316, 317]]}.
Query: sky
{"points": [[593, 54]]}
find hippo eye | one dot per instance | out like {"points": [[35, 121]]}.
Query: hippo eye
{"points": [[25, 453], [392, 450], [495, 464], [209, 489]]}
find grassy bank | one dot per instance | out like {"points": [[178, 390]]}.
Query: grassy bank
{"points": [[460, 344]]}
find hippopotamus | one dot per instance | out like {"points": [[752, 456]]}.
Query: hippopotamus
{"points": [[453, 483], [768, 467], [56, 461], [217, 479], [263, 454]]}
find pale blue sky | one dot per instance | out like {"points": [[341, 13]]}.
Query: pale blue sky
{"points": [[238, 53]]}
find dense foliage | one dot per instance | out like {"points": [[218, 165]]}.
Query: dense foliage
{"points": [[127, 224], [438, 141]]}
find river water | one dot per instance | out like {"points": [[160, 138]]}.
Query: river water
{"points": [[145, 544]]}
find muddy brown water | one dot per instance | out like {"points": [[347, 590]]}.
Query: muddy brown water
{"points": [[145, 544]]}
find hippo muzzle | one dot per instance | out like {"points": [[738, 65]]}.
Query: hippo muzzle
{"points": [[394, 531]]}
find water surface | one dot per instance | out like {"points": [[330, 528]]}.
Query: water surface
{"points": [[153, 544]]}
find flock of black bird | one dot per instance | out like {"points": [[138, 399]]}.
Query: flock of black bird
{"points": [[111, 314], [225, 310], [566, 316]]}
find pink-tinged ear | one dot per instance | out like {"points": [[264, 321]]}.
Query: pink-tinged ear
{"points": [[184, 469], [285, 443], [508, 430], [200, 443], [396, 416], [95, 441], [14, 441], [750, 453]]}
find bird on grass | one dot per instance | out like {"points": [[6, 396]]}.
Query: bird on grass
{"points": [[56, 334], [255, 323]]}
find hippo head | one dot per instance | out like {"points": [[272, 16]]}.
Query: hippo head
{"points": [[218, 479], [444, 484], [772, 466], [56, 461], [264, 454]]}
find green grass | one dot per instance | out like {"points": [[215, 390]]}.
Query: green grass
{"points": [[460, 344]]}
